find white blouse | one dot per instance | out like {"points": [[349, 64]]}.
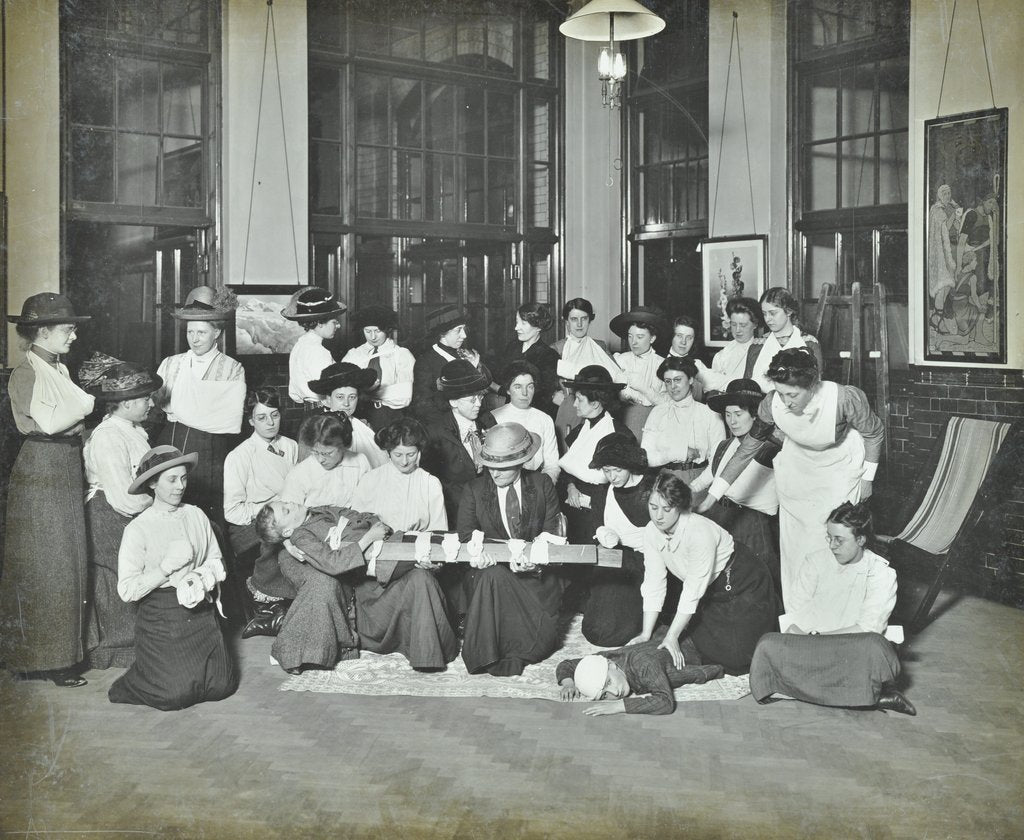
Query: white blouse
{"points": [[696, 552], [311, 485], [112, 456], [412, 502]]}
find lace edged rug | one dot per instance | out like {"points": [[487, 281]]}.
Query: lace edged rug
{"points": [[390, 675]]}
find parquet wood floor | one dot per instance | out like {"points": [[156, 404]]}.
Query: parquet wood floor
{"points": [[267, 763]]}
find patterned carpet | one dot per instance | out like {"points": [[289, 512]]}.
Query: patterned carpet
{"points": [[390, 675]]}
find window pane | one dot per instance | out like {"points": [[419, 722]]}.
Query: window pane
{"points": [[819, 262], [183, 99], [892, 169], [370, 32], [892, 261], [501, 193], [501, 44], [821, 105], [183, 172], [371, 93], [372, 182], [325, 20], [405, 39], [440, 40], [92, 165], [858, 111], [408, 112], [538, 131], [501, 138], [410, 185], [858, 172], [136, 169], [537, 43], [894, 87], [325, 178], [820, 186], [440, 117], [471, 43], [475, 286], [858, 20], [376, 272], [440, 182], [470, 117], [325, 104], [91, 81], [857, 259], [137, 84], [538, 201], [822, 23], [474, 180]]}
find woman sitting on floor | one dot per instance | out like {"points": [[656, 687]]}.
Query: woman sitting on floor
{"points": [[170, 563], [644, 668], [727, 596], [613, 613], [832, 651], [345, 602], [331, 471], [513, 610]]}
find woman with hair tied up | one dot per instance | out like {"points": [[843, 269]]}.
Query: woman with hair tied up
{"points": [[832, 651], [781, 313], [532, 319], [831, 443]]}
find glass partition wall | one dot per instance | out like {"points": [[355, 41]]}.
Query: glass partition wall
{"points": [[435, 157]]}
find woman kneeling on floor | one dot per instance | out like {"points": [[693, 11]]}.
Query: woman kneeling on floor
{"points": [[832, 651], [170, 563], [728, 601]]}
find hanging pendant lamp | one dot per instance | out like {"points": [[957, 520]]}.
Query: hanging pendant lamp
{"points": [[609, 21]]}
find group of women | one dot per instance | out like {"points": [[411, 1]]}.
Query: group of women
{"points": [[715, 483]]}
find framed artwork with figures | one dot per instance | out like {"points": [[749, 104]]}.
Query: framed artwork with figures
{"points": [[965, 238], [731, 266]]}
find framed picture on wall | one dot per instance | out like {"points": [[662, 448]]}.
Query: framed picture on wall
{"points": [[965, 238], [731, 266], [260, 329]]}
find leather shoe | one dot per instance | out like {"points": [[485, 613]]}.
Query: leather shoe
{"points": [[266, 623], [67, 679], [893, 701]]}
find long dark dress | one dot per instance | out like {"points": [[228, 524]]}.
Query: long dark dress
{"points": [[512, 618], [110, 632], [614, 611]]}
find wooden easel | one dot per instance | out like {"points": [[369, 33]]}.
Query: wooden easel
{"points": [[830, 309]]}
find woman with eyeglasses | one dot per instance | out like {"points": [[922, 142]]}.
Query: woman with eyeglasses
{"points": [[832, 651], [831, 443], [330, 473]]}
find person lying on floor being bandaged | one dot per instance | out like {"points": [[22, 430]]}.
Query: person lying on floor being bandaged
{"points": [[624, 673]]}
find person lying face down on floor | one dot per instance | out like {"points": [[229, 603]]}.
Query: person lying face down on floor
{"points": [[345, 602], [622, 674]]}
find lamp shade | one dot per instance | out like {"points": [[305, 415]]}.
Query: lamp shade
{"points": [[593, 21]]}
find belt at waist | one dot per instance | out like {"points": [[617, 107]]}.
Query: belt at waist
{"points": [[66, 440], [684, 465]]}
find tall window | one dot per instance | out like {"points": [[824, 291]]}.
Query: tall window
{"points": [[434, 155], [140, 155], [850, 62], [667, 119]]}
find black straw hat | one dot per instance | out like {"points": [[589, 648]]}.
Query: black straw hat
{"points": [[593, 377], [619, 450], [205, 303], [111, 380], [459, 378], [313, 304], [745, 393], [343, 375], [648, 316], [159, 459], [439, 321], [380, 317], [47, 308]]}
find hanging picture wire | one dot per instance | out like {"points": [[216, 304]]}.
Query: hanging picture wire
{"points": [[984, 48], [270, 36]]}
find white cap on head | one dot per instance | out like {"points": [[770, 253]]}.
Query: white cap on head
{"points": [[590, 676]]}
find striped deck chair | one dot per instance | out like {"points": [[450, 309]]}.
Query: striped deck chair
{"points": [[968, 468]]}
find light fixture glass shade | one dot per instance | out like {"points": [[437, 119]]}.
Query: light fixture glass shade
{"points": [[619, 67], [593, 21], [604, 64]]}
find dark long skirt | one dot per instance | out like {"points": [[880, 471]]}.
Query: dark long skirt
{"points": [[408, 616], [110, 630], [757, 531], [266, 576], [579, 522], [512, 619], [45, 576], [634, 416], [845, 670], [319, 627], [738, 608], [614, 611], [206, 480], [180, 656]]}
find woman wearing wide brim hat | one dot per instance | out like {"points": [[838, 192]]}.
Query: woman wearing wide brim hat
{"points": [[444, 342], [203, 395], [596, 395], [379, 351], [317, 311], [750, 507], [640, 328], [512, 619], [44, 584], [613, 612], [339, 387], [170, 564], [113, 453]]}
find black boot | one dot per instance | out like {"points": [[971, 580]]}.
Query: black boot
{"points": [[267, 621], [892, 700]]}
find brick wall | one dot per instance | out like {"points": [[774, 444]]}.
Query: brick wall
{"points": [[923, 399]]}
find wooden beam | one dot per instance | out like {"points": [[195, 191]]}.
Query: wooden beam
{"points": [[403, 547]]}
